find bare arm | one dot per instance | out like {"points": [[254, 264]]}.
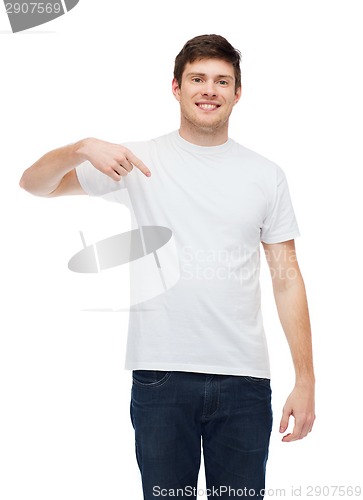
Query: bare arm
{"points": [[54, 173], [292, 307]]}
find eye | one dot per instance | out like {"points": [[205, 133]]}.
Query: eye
{"points": [[196, 79], [223, 82]]}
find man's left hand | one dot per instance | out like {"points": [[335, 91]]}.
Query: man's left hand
{"points": [[301, 405]]}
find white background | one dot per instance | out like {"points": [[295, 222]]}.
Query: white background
{"points": [[104, 70]]}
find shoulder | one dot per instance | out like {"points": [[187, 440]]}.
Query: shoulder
{"points": [[257, 158], [265, 169]]}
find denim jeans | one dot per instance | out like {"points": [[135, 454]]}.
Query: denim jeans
{"points": [[175, 413]]}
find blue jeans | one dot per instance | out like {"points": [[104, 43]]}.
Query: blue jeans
{"points": [[173, 413]]}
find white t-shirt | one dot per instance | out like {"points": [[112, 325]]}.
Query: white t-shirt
{"points": [[219, 202]]}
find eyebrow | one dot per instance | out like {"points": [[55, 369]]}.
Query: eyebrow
{"points": [[204, 74]]}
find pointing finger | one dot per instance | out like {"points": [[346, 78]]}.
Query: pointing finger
{"points": [[138, 163]]}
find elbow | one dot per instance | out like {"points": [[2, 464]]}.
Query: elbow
{"points": [[26, 183], [23, 182], [293, 282]]}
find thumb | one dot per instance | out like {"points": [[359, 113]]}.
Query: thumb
{"points": [[284, 419]]}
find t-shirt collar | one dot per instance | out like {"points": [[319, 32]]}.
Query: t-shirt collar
{"points": [[195, 148]]}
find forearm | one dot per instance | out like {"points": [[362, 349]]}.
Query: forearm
{"points": [[292, 307], [293, 312], [45, 175]]}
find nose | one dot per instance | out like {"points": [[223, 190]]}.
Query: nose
{"points": [[209, 89]]}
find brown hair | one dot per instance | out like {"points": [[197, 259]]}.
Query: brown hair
{"points": [[208, 47]]}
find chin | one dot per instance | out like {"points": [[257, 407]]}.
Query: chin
{"points": [[210, 127], [204, 125]]}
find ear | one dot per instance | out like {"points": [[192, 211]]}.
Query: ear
{"points": [[176, 89], [238, 94]]}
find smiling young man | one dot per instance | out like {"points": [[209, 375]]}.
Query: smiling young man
{"points": [[198, 351]]}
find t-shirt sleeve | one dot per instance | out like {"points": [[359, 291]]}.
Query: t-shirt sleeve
{"points": [[280, 222], [94, 182]]}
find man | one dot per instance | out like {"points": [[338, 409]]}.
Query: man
{"points": [[198, 352]]}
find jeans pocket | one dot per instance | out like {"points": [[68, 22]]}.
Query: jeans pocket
{"points": [[150, 378], [256, 380]]}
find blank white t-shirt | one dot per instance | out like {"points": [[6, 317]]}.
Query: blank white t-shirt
{"points": [[219, 202]]}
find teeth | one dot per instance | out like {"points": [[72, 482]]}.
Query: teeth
{"points": [[207, 106]]}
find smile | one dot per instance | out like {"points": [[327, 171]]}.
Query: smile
{"points": [[207, 107]]}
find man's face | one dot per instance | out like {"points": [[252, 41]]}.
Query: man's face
{"points": [[207, 95]]}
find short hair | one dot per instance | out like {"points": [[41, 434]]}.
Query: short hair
{"points": [[208, 47]]}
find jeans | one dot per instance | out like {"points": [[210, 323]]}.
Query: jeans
{"points": [[175, 413]]}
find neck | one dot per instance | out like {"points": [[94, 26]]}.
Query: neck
{"points": [[203, 136]]}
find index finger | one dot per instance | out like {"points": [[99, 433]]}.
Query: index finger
{"points": [[138, 163]]}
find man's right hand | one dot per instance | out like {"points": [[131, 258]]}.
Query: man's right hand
{"points": [[54, 173], [113, 160]]}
